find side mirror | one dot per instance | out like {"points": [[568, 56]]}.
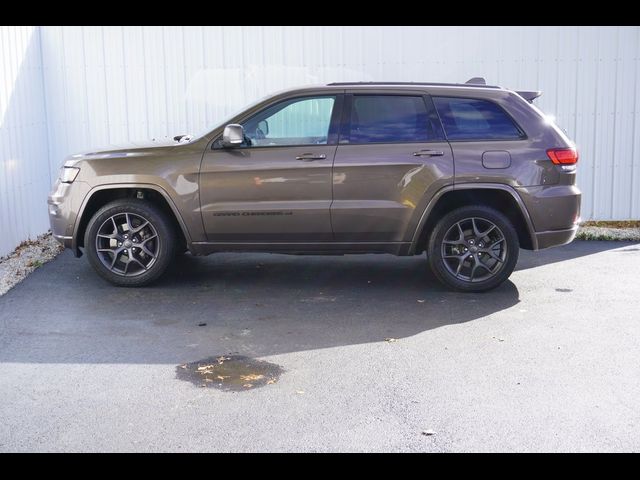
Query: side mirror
{"points": [[232, 136]]}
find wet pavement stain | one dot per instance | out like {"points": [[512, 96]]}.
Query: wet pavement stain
{"points": [[230, 373]]}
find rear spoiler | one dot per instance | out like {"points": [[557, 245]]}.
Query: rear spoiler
{"points": [[530, 96]]}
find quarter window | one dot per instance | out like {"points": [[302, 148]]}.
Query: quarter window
{"points": [[474, 119], [389, 119], [298, 121]]}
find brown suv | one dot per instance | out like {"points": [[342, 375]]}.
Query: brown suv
{"points": [[469, 173]]}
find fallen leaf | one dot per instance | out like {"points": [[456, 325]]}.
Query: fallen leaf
{"points": [[247, 385], [300, 392], [271, 381], [420, 301], [428, 433], [183, 366], [205, 367], [222, 377], [251, 377], [390, 339]]}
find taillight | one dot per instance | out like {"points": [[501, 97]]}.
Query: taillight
{"points": [[563, 156]]}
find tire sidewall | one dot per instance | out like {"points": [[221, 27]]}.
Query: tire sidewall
{"points": [[434, 250], [149, 212]]}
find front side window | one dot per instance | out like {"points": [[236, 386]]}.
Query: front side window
{"points": [[298, 121], [474, 119], [389, 119]]}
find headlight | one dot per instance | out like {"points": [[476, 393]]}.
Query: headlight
{"points": [[68, 174]]}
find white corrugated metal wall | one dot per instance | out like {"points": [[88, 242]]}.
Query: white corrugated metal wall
{"points": [[24, 153], [112, 84]]}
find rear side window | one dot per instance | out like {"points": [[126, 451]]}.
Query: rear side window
{"points": [[389, 119], [473, 119]]}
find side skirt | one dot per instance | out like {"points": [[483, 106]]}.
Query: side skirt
{"points": [[327, 248]]}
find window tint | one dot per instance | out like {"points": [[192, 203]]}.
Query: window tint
{"points": [[299, 121], [472, 119], [388, 119]]}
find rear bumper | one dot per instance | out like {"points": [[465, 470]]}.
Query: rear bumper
{"points": [[554, 211], [555, 238]]}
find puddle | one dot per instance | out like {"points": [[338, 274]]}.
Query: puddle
{"points": [[564, 290], [230, 373]]}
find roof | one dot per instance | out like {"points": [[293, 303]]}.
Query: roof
{"points": [[426, 84]]}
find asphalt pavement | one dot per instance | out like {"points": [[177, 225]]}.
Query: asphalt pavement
{"points": [[364, 352]]}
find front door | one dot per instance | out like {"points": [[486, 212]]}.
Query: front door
{"points": [[276, 186]]}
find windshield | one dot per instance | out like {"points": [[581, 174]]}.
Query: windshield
{"points": [[204, 132]]}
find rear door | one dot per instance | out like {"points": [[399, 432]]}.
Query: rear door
{"points": [[391, 157]]}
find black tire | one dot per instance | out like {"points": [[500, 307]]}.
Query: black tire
{"points": [[453, 239], [146, 267]]}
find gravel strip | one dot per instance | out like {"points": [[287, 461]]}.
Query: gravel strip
{"points": [[608, 233], [29, 255]]}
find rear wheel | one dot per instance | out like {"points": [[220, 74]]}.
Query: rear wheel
{"points": [[130, 242], [473, 249]]}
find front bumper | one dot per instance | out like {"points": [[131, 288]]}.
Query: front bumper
{"points": [[64, 203], [66, 242]]}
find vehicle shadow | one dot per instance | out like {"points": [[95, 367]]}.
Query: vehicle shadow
{"points": [[251, 304]]}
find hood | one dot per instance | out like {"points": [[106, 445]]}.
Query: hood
{"points": [[126, 150]]}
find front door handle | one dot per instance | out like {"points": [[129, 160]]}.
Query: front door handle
{"points": [[309, 157], [428, 153]]}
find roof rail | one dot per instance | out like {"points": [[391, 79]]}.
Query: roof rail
{"points": [[433, 84]]}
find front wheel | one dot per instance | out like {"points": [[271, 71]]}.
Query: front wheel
{"points": [[473, 249], [130, 242]]}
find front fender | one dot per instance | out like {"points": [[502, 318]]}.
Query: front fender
{"points": [[187, 229]]}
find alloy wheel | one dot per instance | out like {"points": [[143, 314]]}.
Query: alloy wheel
{"points": [[474, 249], [127, 244]]}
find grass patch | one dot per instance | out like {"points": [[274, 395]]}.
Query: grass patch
{"points": [[590, 235], [612, 224]]}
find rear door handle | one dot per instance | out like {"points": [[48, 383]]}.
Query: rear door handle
{"points": [[428, 153], [309, 157]]}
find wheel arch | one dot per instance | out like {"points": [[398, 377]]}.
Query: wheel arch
{"points": [[495, 195], [103, 194]]}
